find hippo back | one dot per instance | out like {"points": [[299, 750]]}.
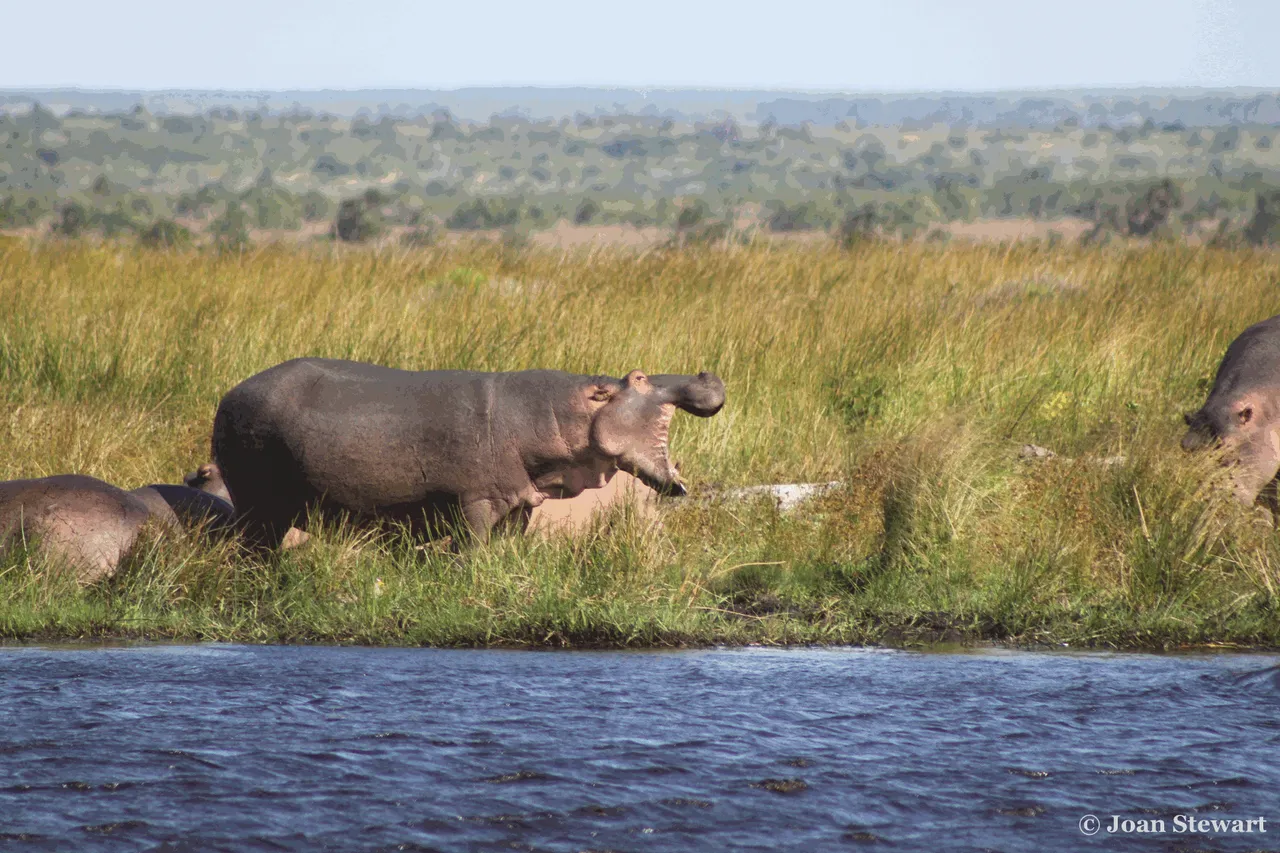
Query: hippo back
{"points": [[187, 506], [82, 520]]}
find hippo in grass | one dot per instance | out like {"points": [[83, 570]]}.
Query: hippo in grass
{"points": [[188, 506], [1241, 417], [91, 525], [88, 524], [577, 514], [208, 479], [431, 449]]}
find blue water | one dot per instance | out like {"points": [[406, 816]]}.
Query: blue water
{"points": [[217, 747]]}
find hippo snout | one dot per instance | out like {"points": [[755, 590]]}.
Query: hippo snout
{"points": [[701, 395], [1195, 440]]}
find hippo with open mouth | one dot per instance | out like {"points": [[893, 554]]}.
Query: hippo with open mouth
{"points": [[1241, 417], [427, 448]]}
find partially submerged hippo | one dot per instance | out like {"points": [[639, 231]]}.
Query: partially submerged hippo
{"points": [[82, 520], [1242, 415], [425, 448]]}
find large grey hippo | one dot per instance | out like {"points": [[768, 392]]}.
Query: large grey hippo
{"points": [[425, 448], [89, 524], [1241, 417]]}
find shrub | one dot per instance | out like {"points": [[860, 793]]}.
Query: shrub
{"points": [[485, 213], [72, 221], [587, 211], [358, 220], [165, 234]]}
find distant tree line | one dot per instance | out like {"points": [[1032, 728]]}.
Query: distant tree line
{"points": [[228, 173]]}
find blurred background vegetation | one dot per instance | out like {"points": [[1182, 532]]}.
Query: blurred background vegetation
{"points": [[168, 171]]}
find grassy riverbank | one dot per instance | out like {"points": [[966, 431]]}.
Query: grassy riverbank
{"points": [[911, 373]]}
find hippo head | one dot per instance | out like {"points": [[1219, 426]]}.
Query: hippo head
{"points": [[1243, 429], [208, 478], [631, 419]]}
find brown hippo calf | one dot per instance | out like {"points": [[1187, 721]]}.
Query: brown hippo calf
{"points": [[1241, 417], [426, 448], [573, 515], [82, 520]]}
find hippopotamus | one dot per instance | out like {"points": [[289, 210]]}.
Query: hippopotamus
{"points": [[440, 449], [89, 524], [208, 479], [1241, 417], [188, 506]]}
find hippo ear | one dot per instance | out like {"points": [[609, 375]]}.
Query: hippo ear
{"points": [[637, 380], [1186, 419], [701, 395]]}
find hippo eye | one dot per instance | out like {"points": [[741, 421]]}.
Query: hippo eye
{"points": [[1245, 415], [600, 395]]}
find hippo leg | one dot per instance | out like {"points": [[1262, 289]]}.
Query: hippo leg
{"points": [[480, 517], [267, 534], [516, 521]]}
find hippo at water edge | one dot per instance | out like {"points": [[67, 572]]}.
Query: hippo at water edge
{"points": [[425, 448], [1241, 417], [82, 520]]}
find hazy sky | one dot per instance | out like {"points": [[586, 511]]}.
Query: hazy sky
{"points": [[888, 45]]}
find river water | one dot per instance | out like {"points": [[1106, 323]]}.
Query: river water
{"points": [[216, 747]]}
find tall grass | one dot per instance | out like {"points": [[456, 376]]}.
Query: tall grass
{"points": [[911, 373]]}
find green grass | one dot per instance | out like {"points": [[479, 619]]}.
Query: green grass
{"points": [[911, 373]]}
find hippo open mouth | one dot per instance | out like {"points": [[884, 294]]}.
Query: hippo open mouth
{"points": [[655, 468]]}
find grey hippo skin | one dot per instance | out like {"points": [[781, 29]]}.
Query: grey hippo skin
{"points": [[188, 506], [1242, 415], [82, 520], [427, 448]]}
